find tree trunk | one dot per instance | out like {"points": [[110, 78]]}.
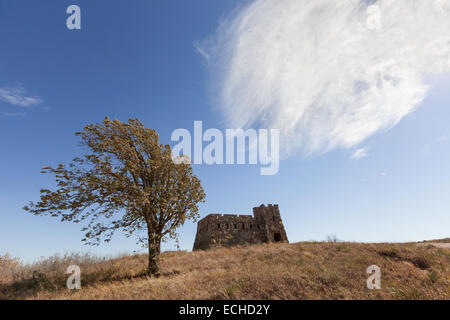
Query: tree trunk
{"points": [[154, 250]]}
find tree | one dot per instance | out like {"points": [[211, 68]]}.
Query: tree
{"points": [[128, 181]]}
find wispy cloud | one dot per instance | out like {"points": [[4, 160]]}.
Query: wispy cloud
{"points": [[317, 71], [18, 97], [15, 114], [439, 142], [360, 153], [199, 49]]}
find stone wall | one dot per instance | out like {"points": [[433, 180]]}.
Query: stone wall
{"points": [[216, 230]]}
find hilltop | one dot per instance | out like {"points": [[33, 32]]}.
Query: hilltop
{"points": [[305, 270]]}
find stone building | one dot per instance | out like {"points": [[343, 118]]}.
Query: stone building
{"points": [[217, 230]]}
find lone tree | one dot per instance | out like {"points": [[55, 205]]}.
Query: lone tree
{"points": [[128, 181]]}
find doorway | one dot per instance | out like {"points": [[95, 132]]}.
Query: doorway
{"points": [[277, 237]]}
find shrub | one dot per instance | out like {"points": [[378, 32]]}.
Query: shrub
{"points": [[332, 238]]}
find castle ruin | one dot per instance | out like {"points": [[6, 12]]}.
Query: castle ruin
{"points": [[217, 230]]}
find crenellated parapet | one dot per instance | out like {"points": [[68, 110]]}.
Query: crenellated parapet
{"points": [[227, 230]]}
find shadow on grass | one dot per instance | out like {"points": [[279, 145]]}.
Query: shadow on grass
{"points": [[23, 287], [421, 261]]}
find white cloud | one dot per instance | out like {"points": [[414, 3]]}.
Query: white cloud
{"points": [[18, 97], [315, 70], [360, 153]]}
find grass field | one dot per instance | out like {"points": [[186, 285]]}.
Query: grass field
{"points": [[306, 270]]}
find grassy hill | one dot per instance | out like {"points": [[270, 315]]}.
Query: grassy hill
{"points": [[307, 270]]}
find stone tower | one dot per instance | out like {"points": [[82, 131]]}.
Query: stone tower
{"points": [[217, 230]]}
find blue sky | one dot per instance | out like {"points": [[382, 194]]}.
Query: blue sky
{"points": [[138, 59]]}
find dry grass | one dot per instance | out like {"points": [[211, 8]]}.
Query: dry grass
{"points": [[313, 270]]}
